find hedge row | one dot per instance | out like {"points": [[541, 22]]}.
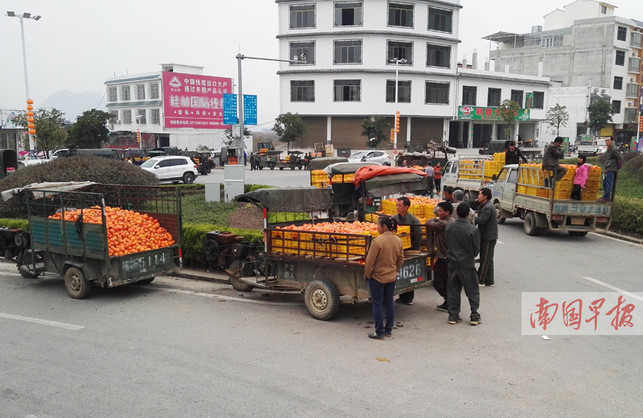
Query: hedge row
{"points": [[627, 215]]}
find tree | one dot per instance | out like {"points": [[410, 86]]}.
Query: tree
{"points": [[375, 130], [289, 127], [228, 134], [600, 114], [50, 129], [89, 130], [509, 111], [556, 117]]}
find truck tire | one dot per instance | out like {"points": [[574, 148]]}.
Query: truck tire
{"points": [[577, 233], [76, 284], [531, 226], [322, 299], [501, 219], [236, 283], [272, 166]]}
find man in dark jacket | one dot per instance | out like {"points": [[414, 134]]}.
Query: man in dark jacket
{"points": [[552, 154], [463, 244], [487, 222], [403, 217], [513, 154], [613, 160], [437, 245]]}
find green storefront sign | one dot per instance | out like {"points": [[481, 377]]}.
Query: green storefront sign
{"points": [[488, 113]]}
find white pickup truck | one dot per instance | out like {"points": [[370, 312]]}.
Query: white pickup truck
{"points": [[590, 146], [469, 174], [541, 211]]}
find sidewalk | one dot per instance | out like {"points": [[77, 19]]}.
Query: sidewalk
{"points": [[196, 274]]}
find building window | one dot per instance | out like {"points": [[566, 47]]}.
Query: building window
{"points": [[154, 91], [125, 93], [621, 33], [155, 116], [114, 118], [400, 14], [348, 52], [302, 91], [436, 93], [539, 100], [516, 96], [141, 117], [438, 56], [620, 58], [635, 40], [348, 14], [633, 65], [440, 19], [111, 94], [126, 116], [551, 41], [348, 90], [616, 107], [618, 83], [297, 49], [632, 90], [493, 97], [603, 10], [401, 51], [302, 16], [403, 91], [140, 92], [469, 94], [629, 115]]}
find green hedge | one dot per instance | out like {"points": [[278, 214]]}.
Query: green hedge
{"points": [[194, 238], [15, 223], [627, 216]]}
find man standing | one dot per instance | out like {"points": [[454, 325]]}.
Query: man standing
{"points": [[552, 154], [437, 245], [463, 244], [430, 172], [613, 161], [487, 222], [513, 154], [437, 177], [403, 217]]}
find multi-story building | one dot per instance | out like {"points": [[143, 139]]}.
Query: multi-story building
{"points": [[588, 53], [368, 58], [10, 133], [177, 106]]}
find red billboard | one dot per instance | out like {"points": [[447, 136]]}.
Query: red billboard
{"points": [[194, 100]]}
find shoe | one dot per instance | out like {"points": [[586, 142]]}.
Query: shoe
{"points": [[490, 285], [375, 336], [475, 320], [453, 321], [481, 285], [389, 335], [443, 307], [406, 302], [603, 200]]}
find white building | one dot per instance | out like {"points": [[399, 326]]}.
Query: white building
{"points": [[139, 104], [359, 51], [584, 45]]}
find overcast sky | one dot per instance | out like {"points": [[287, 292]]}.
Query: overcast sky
{"points": [[78, 44]]}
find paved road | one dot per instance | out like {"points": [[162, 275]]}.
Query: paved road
{"points": [[185, 348]]}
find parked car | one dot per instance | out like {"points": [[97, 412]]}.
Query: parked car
{"points": [[97, 152], [172, 168], [373, 156]]}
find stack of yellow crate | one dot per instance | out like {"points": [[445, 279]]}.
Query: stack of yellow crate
{"points": [[592, 185], [319, 178], [343, 178], [565, 185], [499, 157], [469, 169]]}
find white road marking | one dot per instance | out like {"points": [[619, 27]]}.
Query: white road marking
{"points": [[614, 288], [39, 321], [221, 297]]}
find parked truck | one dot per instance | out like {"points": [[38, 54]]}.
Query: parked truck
{"points": [[496, 146], [470, 174], [527, 192]]}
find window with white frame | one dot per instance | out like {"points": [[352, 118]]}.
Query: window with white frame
{"points": [[635, 39], [621, 33], [494, 97], [539, 100], [348, 52], [616, 107], [516, 96], [633, 65], [302, 16], [154, 90], [126, 116], [141, 116], [438, 56], [618, 83], [155, 116], [400, 14], [114, 116], [297, 49], [125, 96], [112, 95], [400, 51], [440, 20], [140, 92], [469, 94], [302, 91], [620, 58], [632, 90], [436, 93], [348, 90], [348, 13], [403, 91]]}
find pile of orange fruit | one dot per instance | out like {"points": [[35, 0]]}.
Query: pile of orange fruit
{"points": [[128, 231], [363, 228]]}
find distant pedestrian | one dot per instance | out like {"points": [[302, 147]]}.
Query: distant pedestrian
{"points": [[580, 177], [430, 172], [437, 177], [252, 161], [613, 162], [463, 245], [383, 261]]}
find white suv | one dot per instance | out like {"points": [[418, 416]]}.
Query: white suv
{"points": [[374, 156], [173, 168]]}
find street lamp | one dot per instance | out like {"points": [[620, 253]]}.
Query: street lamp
{"points": [[397, 62], [22, 17]]}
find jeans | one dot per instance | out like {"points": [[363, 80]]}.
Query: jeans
{"points": [[382, 296], [608, 184]]}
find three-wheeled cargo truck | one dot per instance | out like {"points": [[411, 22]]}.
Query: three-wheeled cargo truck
{"points": [[324, 266], [79, 250]]}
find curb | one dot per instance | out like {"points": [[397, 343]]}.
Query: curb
{"points": [[204, 275], [627, 238]]}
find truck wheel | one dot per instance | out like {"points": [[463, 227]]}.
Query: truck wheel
{"points": [[76, 284], [272, 166], [281, 168], [234, 280], [577, 233], [531, 227], [322, 299], [501, 219], [26, 273]]}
